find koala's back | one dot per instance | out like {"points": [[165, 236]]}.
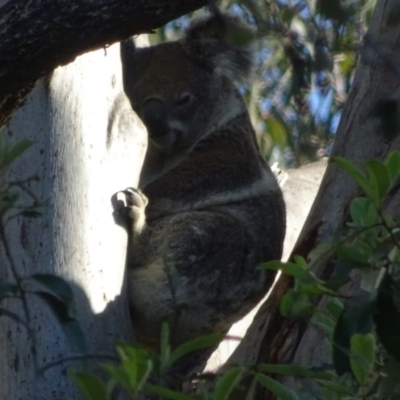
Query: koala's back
{"points": [[215, 210]]}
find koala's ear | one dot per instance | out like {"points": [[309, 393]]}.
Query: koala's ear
{"points": [[222, 42], [134, 63]]}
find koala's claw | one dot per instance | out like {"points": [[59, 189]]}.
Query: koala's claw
{"points": [[135, 197], [128, 205]]}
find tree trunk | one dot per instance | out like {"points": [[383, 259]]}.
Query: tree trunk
{"points": [[84, 151], [272, 338]]}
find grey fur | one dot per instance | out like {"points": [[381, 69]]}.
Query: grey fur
{"points": [[215, 210]]}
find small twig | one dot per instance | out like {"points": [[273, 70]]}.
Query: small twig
{"points": [[77, 358]]}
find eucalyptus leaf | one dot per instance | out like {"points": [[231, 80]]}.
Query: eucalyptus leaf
{"points": [[356, 317], [392, 163], [380, 177], [90, 386], [281, 391], [294, 303], [358, 176], [294, 370], [362, 357], [15, 151], [167, 393], [194, 345], [227, 382]]}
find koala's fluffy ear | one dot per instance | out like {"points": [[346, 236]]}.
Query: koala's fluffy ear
{"points": [[222, 42], [134, 63]]}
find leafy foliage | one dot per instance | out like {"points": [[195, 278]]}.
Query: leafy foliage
{"points": [[143, 372], [306, 57], [364, 330]]}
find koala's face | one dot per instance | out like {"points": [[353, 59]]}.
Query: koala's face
{"points": [[173, 95]]}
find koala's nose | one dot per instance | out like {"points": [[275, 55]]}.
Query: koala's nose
{"points": [[154, 115]]}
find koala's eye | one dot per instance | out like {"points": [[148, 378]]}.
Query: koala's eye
{"points": [[184, 99]]}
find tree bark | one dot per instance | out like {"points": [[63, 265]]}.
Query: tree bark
{"points": [[272, 338], [84, 151], [37, 36]]}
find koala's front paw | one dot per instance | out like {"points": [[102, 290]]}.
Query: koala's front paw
{"points": [[129, 208], [135, 198]]}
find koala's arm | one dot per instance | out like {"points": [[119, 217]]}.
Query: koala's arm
{"points": [[186, 236], [195, 261]]}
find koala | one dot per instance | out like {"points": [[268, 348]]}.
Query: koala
{"points": [[208, 210]]}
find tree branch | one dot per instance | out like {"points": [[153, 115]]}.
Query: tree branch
{"points": [[272, 338]]}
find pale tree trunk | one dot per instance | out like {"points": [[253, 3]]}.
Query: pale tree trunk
{"points": [[83, 153], [272, 338]]}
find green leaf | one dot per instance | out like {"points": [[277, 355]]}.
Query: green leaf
{"points": [[380, 177], [277, 388], [358, 176], [355, 318], [118, 375], [165, 347], [387, 318], [364, 214], [359, 209], [324, 323], [300, 261], [137, 369], [7, 289], [294, 303], [136, 366], [193, 345], [15, 151], [337, 388], [296, 270], [227, 382], [362, 356], [278, 131], [392, 163], [335, 307], [353, 253], [167, 393], [294, 370], [91, 387]]}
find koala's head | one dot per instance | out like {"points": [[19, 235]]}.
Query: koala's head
{"points": [[180, 88]]}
